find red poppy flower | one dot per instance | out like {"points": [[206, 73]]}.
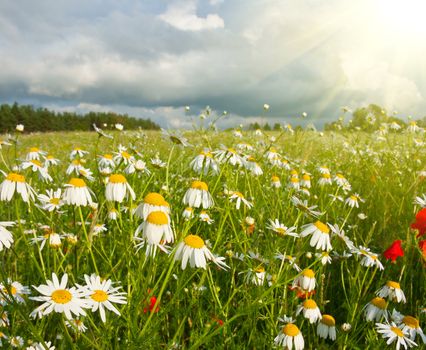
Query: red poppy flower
{"points": [[152, 302], [422, 245], [394, 251], [420, 223]]}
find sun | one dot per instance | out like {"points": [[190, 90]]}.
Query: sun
{"points": [[406, 17]]}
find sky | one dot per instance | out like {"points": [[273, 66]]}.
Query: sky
{"points": [[150, 59]]}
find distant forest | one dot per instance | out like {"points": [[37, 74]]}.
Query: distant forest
{"points": [[42, 119]]}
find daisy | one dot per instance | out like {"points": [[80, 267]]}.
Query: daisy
{"points": [[306, 280], [393, 291], [101, 132], [294, 183], [204, 217], [194, 250], [251, 165], [51, 201], [368, 258], [324, 257], [106, 161], [53, 238], [77, 193], [37, 167], [275, 181], [290, 335], [306, 180], [76, 325], [198, 195], [35, 153], [239, 197], [281, 229], [13, 291], [15, 182], [320, 235], [409, 325], [413, 127], [122, 156], [113, 214], [50, 160], [392, 333], [57, 297], [327, 327], [421, 200], [324, 169], [16, 341], [340, 233], [118, 188], [6, 238], [156, 228], [158, 163], [256, 276], [325, 180], [310, 310], [205, 162], [75, 166], [353, 200], [102, 295], [176, 138], [99, 228], [228, 155], [290, 259], [86, 173], [188, 213], [41, 346], [119, 126], [376, 309], [4, 143], [237, 133], [152, 202], [78, 152], [302, 205]]}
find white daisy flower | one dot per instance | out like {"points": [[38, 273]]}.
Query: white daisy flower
{"points": [[368, 258], [275, 181], [76, 325], [306, 280], [420, 200], [228, 155], [310, 310], [324, 257], [376, 309], [290, 336], [57, 297], [327, 327], [239, 198], [281, 229], [204, 163], [353, 200], [77, 193], [393, 291], [13, 291], [41, 346], [78, 152], [51, 201], [392, 333], [198, 195], [303, 206], [35, 153], [152, 202], [50, 160], [102, 295], [205, 217], [156, 229], [194, 250], [37, 167], [6, 238], [15, 182], [256, 276], [320, 235], [122, 156], [409, 325], [118, 188], [106, 161]]}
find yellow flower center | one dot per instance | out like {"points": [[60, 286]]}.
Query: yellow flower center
{"points": [[100, 296], [77, 149], [61, 296], [340, 176], [76, 182], [322, 227], [124, 154], [194, 241], [157, 218], [54, 201], [281, 231], [154, 199], [260, 269], [50, 157], [117, 179], [354, 198], [200, 185], [308, 273], [411, 322], [306, 177], [36, 162], [328, 320], [326, 176], [76, 162], [14, 177], [275, 178], [291, 330], [309, 304], [108, 156], [12, 290], [231, 150], [239, 194], [294, 179], [206, 154], [392, 284], [379, 303], [273, 150], [34, 149], [397, 331]]}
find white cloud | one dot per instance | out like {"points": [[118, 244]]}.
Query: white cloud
{"points": [[182, 15]]}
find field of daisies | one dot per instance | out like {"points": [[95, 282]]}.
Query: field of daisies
{"points": [[213, 240]]}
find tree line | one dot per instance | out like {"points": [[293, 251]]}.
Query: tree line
{"points": [[43, 119]]}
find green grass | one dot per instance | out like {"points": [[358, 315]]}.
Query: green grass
{"points": [[228, 312]]}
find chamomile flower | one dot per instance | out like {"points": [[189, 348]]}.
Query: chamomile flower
{"points": [[77, 325], [175, 137], [290, 336], [78, 152], [194, 250], [294, 183], [320, 235], [325, 179], [37, 167], [16, 341], [368, 258], [106, 161], [205, 217], [158, 163], [275, 181], [51, 201], [15, 182], [353, 200], [52, 238], [409, 325], [41, 346], [75, 166], [340, 180], [13, 291], [310, 310], [303, 206], [118, 188], [198, 195], [228, 155], [290, 259], [50, 160], [306, 280], [156, 228], [327, 327], [77, 193], [57, 297], [35, 153], [251, 165], [393, 291], [98, 229], [421, 200], [113, 214], [152, 202], [188, 213], [281, 229], [340, 233], [102, 295], [204, 162], [392, 333], [6, 238], [376, 309], [306, 180], [122, 156], [239, 198], [256, 276], [324, 257]]}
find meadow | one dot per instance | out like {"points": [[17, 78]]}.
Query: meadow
{"points": [[212, 240]]}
